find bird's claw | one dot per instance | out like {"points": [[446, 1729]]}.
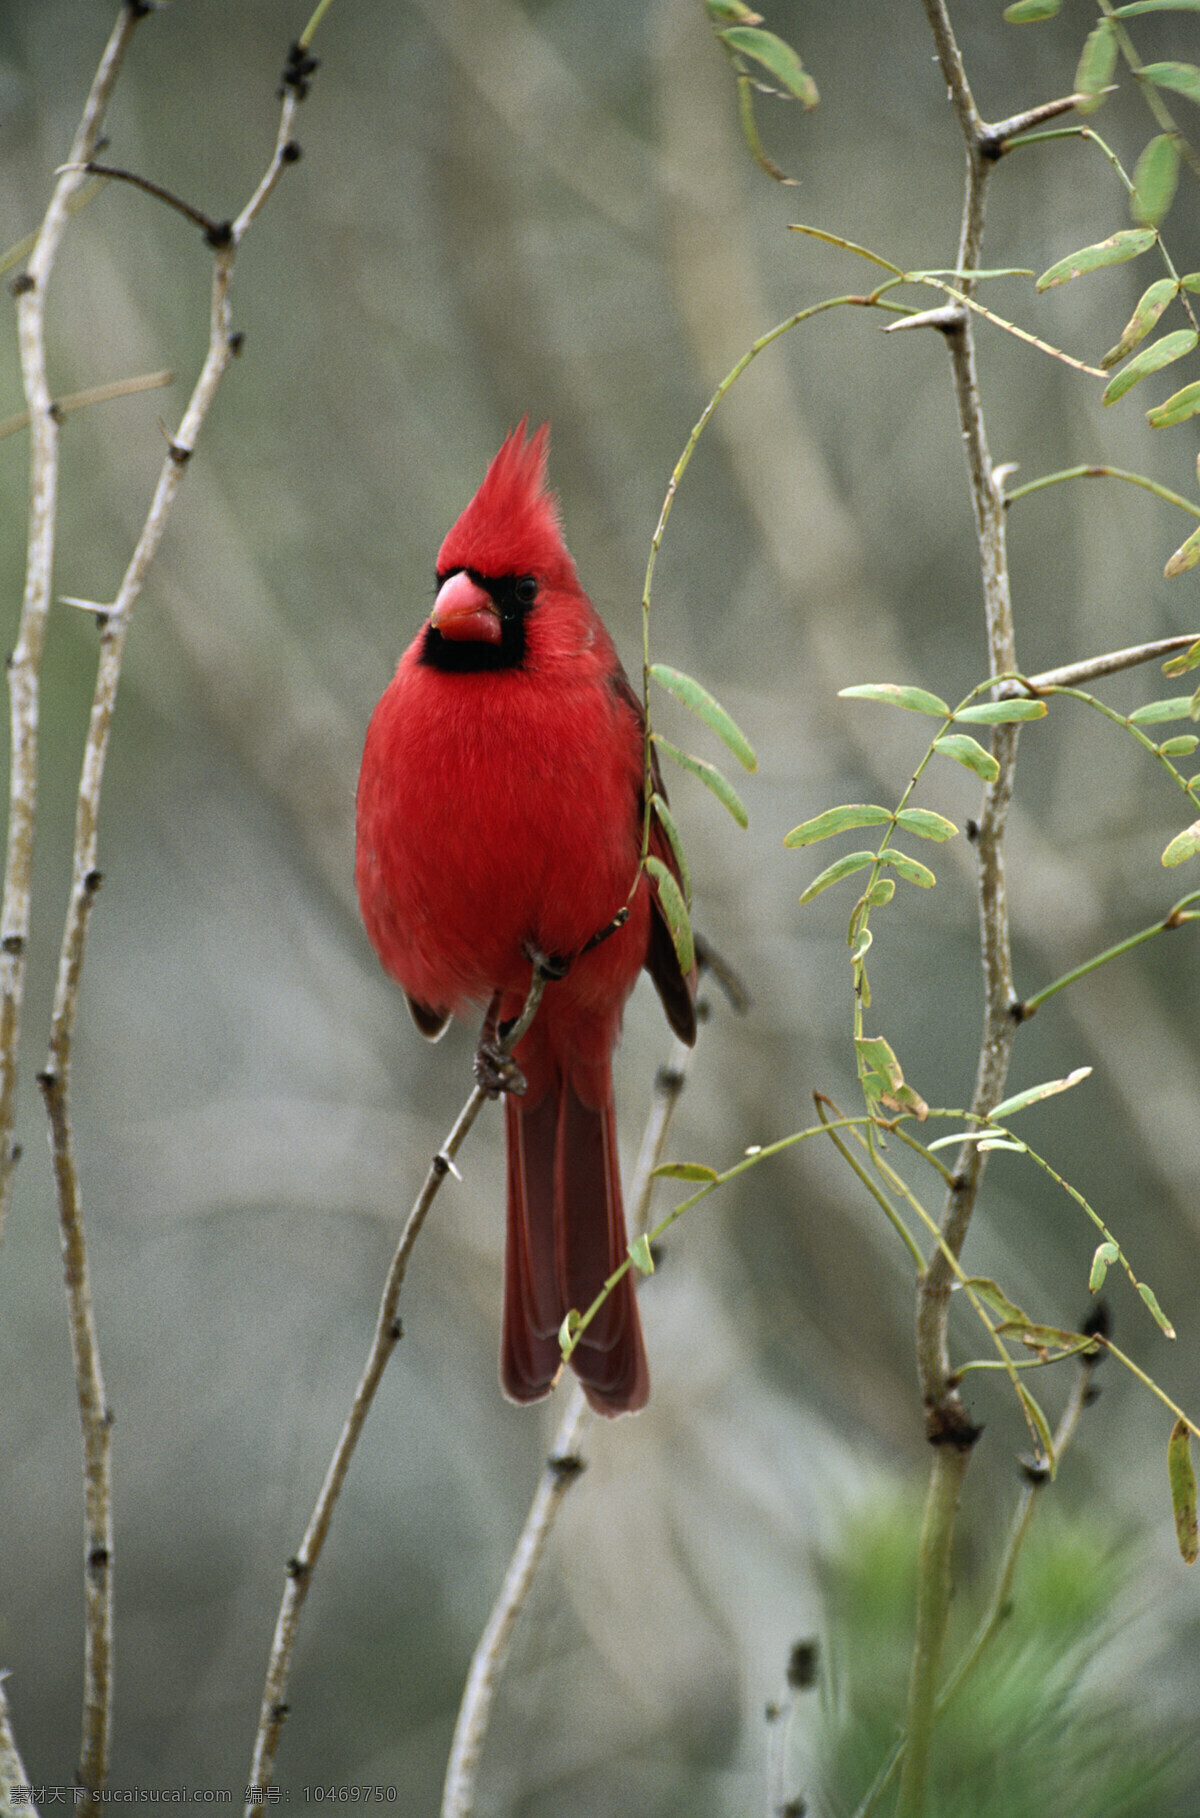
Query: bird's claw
{"points": [[495, 1071], [552, 966]]}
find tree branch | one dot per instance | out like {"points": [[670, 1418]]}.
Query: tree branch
{"points": [[562, 1470], [55, 1077], [300, 1568]]}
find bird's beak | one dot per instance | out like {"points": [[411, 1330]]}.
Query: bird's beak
{"points": [[464, 611]]}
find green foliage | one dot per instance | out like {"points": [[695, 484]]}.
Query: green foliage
{"points": [[1039, 1725]]}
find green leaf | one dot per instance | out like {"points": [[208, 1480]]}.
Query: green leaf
{"points": [[685, 1171], [666, 821], [1176, 708], [732, 12], [1031, 12], [896, 694], [1183, 78], [882, 1078], [1177, 408], [1096, 64], [701, 702], [1159, 1317], [1190, 658], [860, 946], [568, 1332], [1150, 306], [1106, 1254], [1038, 1422], [926, 824], [639, 1255], [1182, 1477], [1126, 244], [709, 775], [997, 1300], [1185, 557], [1155, 176], [778, 58], [1185, 845], [1180, 747], [670, 898], [1034, 1094], [908, 868], [1002, 713], [882, 891], [837, 820], [1133, 7], [833, 874], [1044, 1338], [1151, 359], [967, 752]]}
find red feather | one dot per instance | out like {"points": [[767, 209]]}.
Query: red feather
{"points": [[500, 805]]}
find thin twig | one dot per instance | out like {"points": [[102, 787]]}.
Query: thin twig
{"points": [[24, 669], [12, 1769], [24, 665], [947, 1422], [300, 1568], [95, 394], [1071, 674], [562, 1469], [55, 1077]]}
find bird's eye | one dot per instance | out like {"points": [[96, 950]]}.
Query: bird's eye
{"points": [[526, 590]]}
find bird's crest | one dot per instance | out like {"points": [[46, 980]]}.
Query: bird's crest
{"points": [[513, 522]]}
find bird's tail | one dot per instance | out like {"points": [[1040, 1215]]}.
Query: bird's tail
{"points": [[565, 1237]]}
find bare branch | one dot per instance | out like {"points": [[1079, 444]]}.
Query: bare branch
{"points": [[302, 1565], [55, 1077], [562, 1470], [24, 666], [1072, 674]]}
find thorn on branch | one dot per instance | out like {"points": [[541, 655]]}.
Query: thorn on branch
{"points": [[298, 72], [180, 455]]}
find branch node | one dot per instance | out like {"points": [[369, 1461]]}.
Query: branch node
{"points": [[298, 72], [950, 1425], [23, 283], [14, 944], [564, 1466], [290, 153], [298, 1569], [99, 1559], [93, 880], [396, 1330], [180, 455]]}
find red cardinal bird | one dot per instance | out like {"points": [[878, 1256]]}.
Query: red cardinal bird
{"points": [[500, 813]]}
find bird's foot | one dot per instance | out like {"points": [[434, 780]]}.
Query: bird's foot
{"points": [[552, 966], [495, 1071]]}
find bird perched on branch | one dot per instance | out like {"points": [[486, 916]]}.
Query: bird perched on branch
{"points": [[500, 816]]}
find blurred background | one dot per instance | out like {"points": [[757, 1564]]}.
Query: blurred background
{"points": [[548, 208]]}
